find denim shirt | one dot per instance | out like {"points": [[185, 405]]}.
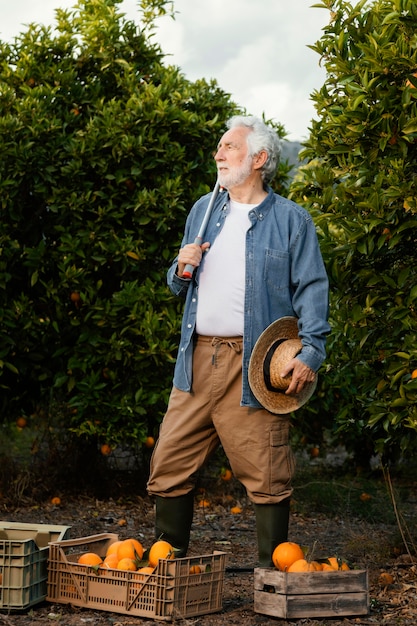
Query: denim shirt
{"points": [[285, 275]]}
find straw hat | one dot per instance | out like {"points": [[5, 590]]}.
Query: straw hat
{"points": [[277, 345]]}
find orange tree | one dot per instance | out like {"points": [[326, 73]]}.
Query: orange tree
{"points": [[104, 149], [360, 183]]}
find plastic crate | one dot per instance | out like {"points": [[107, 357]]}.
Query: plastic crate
{"points": [[171, 591], [311, 594], [23, 562]]}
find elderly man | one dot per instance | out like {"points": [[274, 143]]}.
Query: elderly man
{"points": [[259, 262]]}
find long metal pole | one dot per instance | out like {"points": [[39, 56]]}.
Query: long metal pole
{"points": [[189, 269]]}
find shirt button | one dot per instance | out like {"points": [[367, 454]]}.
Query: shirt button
{"points": [[189, 326], [194, 299], [218, 224]]}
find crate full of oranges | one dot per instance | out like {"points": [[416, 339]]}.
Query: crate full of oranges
{"points": [[302, 587], [119, 575]]}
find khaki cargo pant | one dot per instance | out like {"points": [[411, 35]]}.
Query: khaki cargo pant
{"points": [[255, 441]]}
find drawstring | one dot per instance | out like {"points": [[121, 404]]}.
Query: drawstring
{"points": [[220, 341]]}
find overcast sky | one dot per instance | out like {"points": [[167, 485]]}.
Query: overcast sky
{"points": [[257, 52]]}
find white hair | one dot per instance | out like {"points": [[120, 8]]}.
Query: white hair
{"points": [[262, 137]]}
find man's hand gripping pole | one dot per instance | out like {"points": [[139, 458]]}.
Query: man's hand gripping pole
{"points": [[189, 269]]}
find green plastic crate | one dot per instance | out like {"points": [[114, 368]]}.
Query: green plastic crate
{"points": [[23, 562]]}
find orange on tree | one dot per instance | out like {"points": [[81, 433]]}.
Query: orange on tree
{"points": [[161, 549], [90, 558], [75, 296], [21, 422], [149, 442], [105, 449], [414, 374], [285, 554], [131, 549], [226, 474]]}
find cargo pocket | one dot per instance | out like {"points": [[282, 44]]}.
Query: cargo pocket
{"points": [[282, 461]]}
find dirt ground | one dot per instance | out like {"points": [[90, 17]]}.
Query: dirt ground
{"points": [[367, 546]]}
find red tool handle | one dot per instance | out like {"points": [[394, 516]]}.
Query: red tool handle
{"points": [[189, 269]]}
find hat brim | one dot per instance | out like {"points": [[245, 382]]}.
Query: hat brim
{"points": [[275, 401]]}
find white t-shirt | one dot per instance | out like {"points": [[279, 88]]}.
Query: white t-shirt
{"points": [[221, 293]]}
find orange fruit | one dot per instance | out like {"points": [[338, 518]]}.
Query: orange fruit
{"points": [[113, 547], [90, 558], [236, 510], [127, 564], [75, 296], [160, 550], [385, 579], [146, 571], [21, 422], [335, 563], [226, 474], [204, 504], [414, 374], [149, 442], [195, 569], [56, 500], [302, 565], [110, 561], [105, 449], [285, 554], [130, 549]]}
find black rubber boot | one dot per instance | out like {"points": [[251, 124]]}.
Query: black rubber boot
{"points": [[272, 528], [173, 519]]}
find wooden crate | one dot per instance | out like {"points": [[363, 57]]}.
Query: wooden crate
{"points": [[311, 594]]}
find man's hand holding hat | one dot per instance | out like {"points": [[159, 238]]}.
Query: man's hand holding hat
{"points": [[302, 375]]}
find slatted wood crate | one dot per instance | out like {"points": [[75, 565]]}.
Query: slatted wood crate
{"points": [[311, 594]]}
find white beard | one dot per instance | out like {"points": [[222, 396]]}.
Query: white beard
{"points": [[237, 175]]}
